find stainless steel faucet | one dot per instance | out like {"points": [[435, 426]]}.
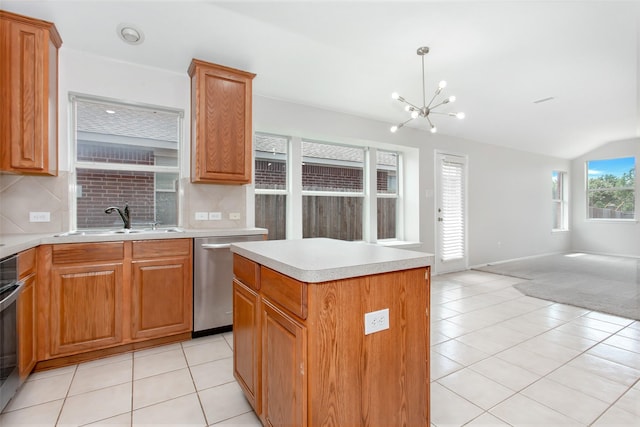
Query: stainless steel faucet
{"points": [[126, 217]]}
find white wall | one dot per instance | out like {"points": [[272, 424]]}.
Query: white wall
{"points": [[606, 237], [509, 191]]}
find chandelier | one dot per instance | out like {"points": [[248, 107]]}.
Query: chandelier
{"points": [[429, 108]]}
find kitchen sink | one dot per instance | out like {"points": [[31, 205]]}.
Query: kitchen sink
{"points": [[120, 231]]}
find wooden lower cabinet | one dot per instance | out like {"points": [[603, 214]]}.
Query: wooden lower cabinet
{"points": [[161, 300], [284, 391], [85, 307], [96, 297], [246, 336], [316, 366]]}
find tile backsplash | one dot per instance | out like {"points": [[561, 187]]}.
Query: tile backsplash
{"points": [[21, 194]]}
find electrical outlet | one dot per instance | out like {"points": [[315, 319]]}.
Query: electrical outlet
{"points": [[202, 216], [376, 321], [215, 216], [234, 215], [39, 217]]}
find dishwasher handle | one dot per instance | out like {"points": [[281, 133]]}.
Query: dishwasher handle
{"points": [[216, 245]]}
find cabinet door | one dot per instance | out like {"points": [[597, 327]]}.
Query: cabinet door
{"points": [[29, 134], [27, 327], [284, 391], [221, 124], [246, 342], [161, 297], [86, 307]]}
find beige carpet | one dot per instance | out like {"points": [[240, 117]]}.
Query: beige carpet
{"points": [[596, 282]]}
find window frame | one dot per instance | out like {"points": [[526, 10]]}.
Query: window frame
{"points": [[74, 164], [563, 201], [588, 191], [294, 192]]}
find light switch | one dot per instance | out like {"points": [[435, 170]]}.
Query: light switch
{"points": [[39, 216]]}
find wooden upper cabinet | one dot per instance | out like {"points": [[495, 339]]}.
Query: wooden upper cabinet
{"points": [[28, 95], [221, 132]]}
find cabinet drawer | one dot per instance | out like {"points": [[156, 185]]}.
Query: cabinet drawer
{"points": [[246, 271], [288, 293], [26, 263], [87, 252], [161, 248]]}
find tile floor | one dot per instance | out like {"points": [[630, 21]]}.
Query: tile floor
{"points": [[497, 358]]}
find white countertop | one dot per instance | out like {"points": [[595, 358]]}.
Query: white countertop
{"points": [[322, 260], [13, 243]]}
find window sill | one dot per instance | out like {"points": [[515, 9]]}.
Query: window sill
{"points": [[402, 244]]}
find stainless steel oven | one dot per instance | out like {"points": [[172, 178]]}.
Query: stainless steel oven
{"points": [[10, 288]]}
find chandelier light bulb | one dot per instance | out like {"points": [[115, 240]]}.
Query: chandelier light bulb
{"points": [[460, 115], [408, 108], [395, 95], [433, 129], [393, 129], [442, 84], [414, 114], [452, 98]]}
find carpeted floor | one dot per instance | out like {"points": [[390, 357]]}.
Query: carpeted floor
{"points": [[597, 282]]}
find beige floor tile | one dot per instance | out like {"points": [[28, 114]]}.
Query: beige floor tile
{"points": [[563, 312], [590, 322], [486, 420], [564, 339], [159, 388], [182, 411], [607, 369], [96, 405], [106, 361], [201, 340], [245, 420], [567, 401], [94, 377], [630, 332], [543, 347], [223, 402], [476, 388], [583, 331], [207, 352], [616, 354], [525, 326], [630, 402], [616, 417], [155, 350], [520, 410], [460, 352], [43, 415], [441, 365], [529, 360], [52, 373], [212, 374], [588, 383], [158, 363], [448, 329], [609, 318], [41, 391], [447, 408], [123, 420], [505, 373], [228, 337], [437, 338], [626, 343]]}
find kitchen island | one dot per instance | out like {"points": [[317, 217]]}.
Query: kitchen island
{"points": [[332, 333]]}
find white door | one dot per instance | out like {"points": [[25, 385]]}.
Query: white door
{"points": [[451, 213]]}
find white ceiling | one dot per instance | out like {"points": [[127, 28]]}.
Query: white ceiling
{"points": [[497, 57]]}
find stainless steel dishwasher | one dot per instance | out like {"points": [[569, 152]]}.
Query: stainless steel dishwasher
{"points": [[213, 283]]}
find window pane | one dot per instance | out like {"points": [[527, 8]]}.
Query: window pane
{"points": [[332, 216], [271, 214], [100, 189], [387, 172], [327, 167], [611, 188], [115, 133], [387, 218], [271, 162]]}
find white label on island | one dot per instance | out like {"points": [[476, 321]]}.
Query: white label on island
{"points": [[376, 321]]}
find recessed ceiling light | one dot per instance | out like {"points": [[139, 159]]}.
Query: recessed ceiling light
{"points": [[130, 34]]}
